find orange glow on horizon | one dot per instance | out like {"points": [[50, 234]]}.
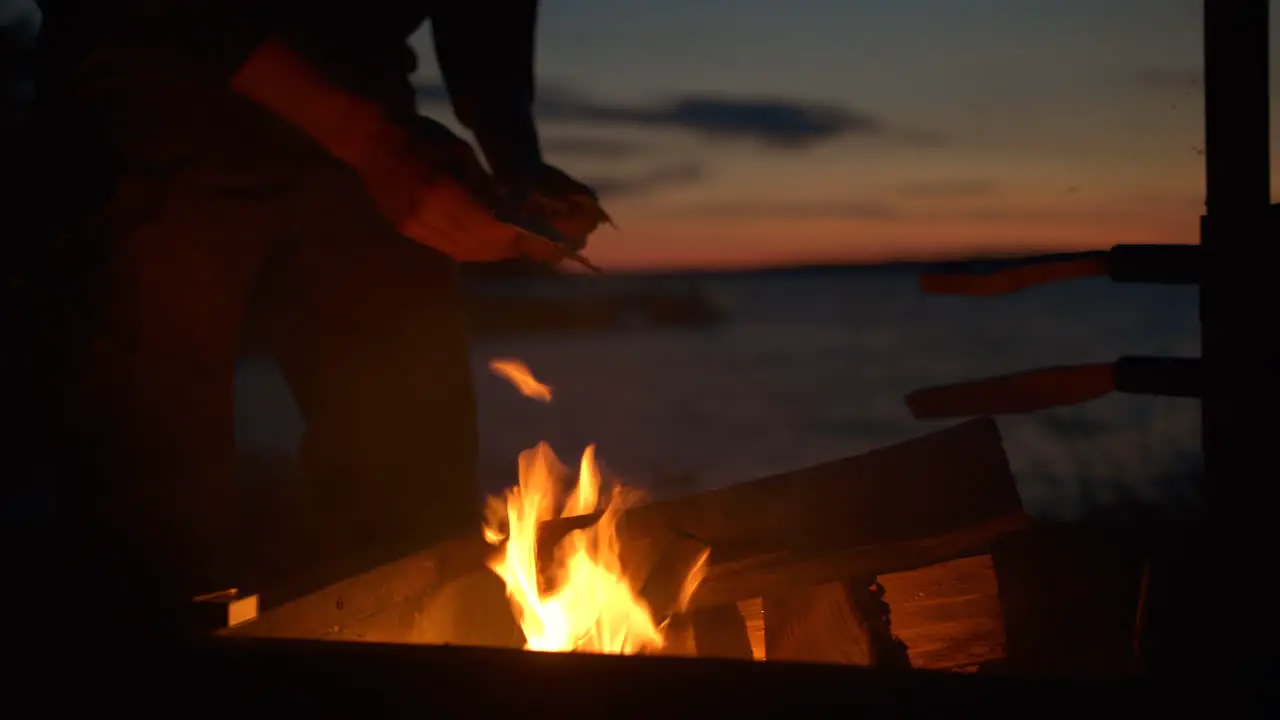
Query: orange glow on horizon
{"points": [[658, 241]]}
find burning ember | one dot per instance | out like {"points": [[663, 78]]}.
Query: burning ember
{"points": [[518, 374], [582, 600]]}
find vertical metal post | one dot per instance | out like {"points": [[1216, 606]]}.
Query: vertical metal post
{"points": [[1240, 330]]}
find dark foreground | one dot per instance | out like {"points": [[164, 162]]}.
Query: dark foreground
{"points": [[315, 678]]}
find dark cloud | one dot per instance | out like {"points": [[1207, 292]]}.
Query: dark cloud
{"points": [[1170, 78], [646, 182], [851, 210], [596, 148], [950, 188], [770, 121]]}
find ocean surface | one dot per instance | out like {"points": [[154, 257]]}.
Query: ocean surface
{"points": [[812, 366]]}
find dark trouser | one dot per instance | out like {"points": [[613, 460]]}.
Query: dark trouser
{"points": [[242, 219]]}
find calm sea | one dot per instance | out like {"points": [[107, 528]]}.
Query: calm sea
{"points": [[811, 367]]}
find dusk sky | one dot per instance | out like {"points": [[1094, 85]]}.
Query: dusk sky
{"points": [[833, 130], [818, 130]]}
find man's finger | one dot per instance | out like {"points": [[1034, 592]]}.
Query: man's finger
{"points": [[589, 204], [538, 249]]}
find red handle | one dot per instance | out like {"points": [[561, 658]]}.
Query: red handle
{"points": [[1018, 393], [1002, 282]]}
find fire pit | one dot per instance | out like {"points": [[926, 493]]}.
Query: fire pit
{"points": [[883, 559]]}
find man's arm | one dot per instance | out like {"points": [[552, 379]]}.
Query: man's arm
{"points": [[492, 87], [341, 77], [346, 124], [347, 85], [485, 50], [411, 188]]}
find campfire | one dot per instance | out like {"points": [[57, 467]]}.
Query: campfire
{"points": [[583, 599], [903, 556]]}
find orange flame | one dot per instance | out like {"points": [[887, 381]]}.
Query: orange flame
{"points": [[587, 602], [518, 374]]}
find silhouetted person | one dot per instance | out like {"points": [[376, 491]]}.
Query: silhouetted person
{"points": [[224, 159]]}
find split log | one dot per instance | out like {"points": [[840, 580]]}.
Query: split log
{"points": [[471, 610], [942, 617], [817, 624], [840, 622], [768, 574], [753, 614], [679, 637], [660, 568], [381, 604], [948, 615], [910, 505], [720, 631]]}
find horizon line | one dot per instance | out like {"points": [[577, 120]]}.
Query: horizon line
{"points": [[764, 265]]}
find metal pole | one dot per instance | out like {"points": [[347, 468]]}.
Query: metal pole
{"points": [[1240, 440]]}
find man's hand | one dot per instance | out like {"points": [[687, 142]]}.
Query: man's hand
{"points": [[568, 205], [550, 195], [455, 156], [423, 195], [551, 204]]}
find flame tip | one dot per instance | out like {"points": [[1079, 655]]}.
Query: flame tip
{"points": [[585, 601]]}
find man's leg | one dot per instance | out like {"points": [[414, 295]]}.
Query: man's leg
{"points": [[368, 328], [151, 335]]}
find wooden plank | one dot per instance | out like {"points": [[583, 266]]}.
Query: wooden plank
{"points": [[948, 614], [879, 496], [856, 517], [908, 505], [764, 575]]}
